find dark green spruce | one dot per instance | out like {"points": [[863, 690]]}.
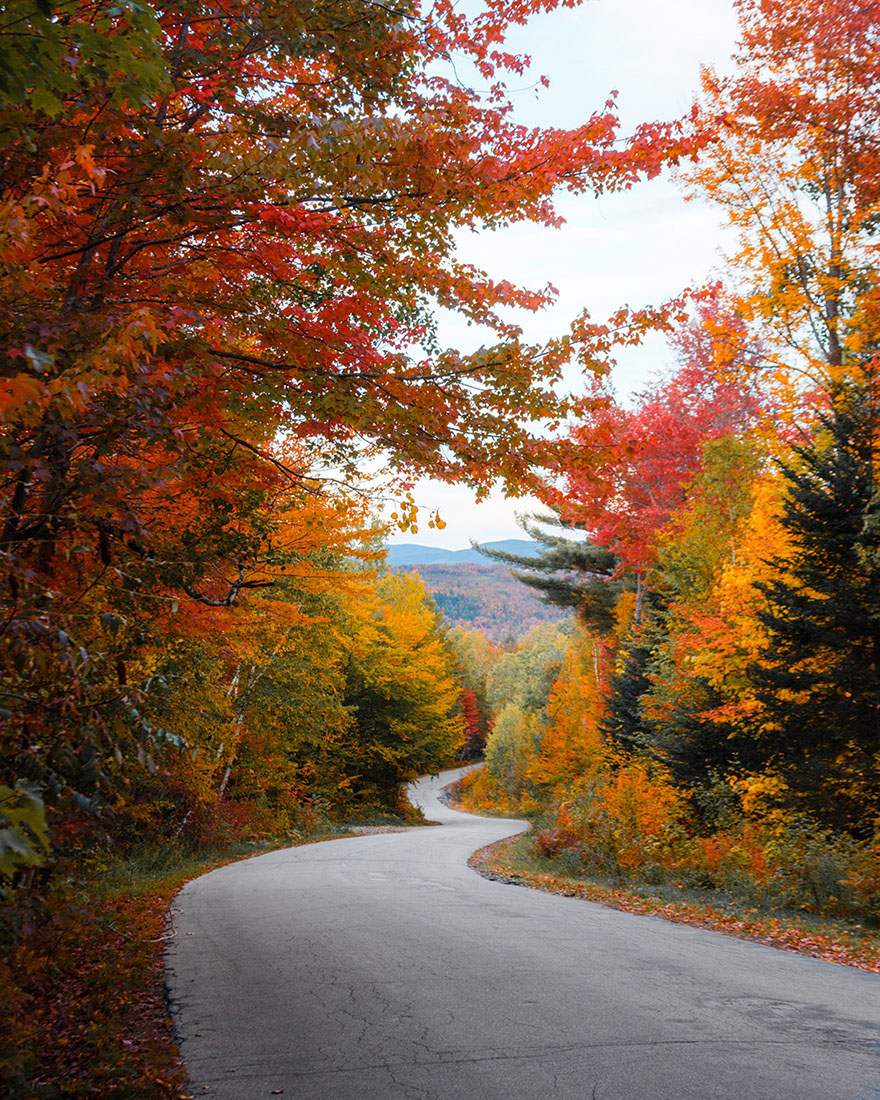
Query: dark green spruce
{"points": [[820, 684]]}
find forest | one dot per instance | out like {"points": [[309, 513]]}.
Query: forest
{"points": [[487, 598], [225, 232]]}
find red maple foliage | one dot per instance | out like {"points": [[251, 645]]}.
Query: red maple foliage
{"points": [[630, 468]]}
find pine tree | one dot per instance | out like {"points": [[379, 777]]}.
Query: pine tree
{"points": [[567, 572], [697, 750], [820, 685], [692, 748], [623, 723]]}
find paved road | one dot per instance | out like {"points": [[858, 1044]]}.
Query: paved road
{"points": [[382, 968]]}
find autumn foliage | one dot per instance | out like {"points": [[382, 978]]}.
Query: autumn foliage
{"points": [[225, 231], [725, 735]]}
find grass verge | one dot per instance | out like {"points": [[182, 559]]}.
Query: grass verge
{"points": [[513, 861]]}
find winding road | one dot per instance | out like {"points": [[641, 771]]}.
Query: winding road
{"points": [[382, 968]]}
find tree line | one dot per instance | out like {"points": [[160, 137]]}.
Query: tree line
{"points": [[225, 231], [717, 720]]}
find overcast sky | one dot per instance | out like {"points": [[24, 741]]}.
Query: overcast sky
{"points": [[636, 248]]}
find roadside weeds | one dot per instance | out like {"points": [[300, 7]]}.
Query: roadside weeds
{"points": [[85, 1009]]}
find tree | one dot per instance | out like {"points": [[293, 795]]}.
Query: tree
{"points": [[400, 691], [679, 679], [791, 154], [511, 750], [629, 470], [222, 227], [703, 533], [474, 657], [525, 675], [519, 691], [700, 702], [819, 680], [623, 722], [475, 726], [666, 497], [51, 52], [566, 572], [571, 744]]}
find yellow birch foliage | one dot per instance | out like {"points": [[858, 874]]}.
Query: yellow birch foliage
{"points": [[571, 745], [722, 639], [787, 158]]}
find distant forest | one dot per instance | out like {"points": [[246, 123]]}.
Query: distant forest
{"points": [[484, 597]]}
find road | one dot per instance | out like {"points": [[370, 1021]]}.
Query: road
{"points": [[383, 968]]}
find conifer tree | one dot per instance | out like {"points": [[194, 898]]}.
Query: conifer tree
{"points": [[698, 750], [567, 572], [820, 684], [623, 723]]}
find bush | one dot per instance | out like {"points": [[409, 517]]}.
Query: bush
{"points": [[633, 825], [620, 824]]}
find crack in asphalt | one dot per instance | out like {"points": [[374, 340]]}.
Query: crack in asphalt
{"points": [[362, 983], [450, 1059]]}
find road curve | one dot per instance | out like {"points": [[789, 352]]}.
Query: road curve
{"points": [[382, 968]]}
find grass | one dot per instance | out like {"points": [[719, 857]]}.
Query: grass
{"points": [[514, 861]]}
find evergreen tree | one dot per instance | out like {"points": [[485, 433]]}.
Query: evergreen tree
{"points": [[675, 733], [567, 572], [698, 751], [820, 685], [623, 723]]}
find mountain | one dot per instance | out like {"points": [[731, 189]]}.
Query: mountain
{"points": [[411, 553], [483, 597]]}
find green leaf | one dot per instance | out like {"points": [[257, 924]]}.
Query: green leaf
{"points": [[24, 836]]}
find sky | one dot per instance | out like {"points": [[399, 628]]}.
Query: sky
{"points": [[636, 248]]}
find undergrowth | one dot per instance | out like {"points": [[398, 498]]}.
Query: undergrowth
{"points": [[552, 856]]}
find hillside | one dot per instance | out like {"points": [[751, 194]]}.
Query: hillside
{"points": [[483, 597]]}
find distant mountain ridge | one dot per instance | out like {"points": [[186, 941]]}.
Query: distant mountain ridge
{"points": [[411, 553], [483, 596]]}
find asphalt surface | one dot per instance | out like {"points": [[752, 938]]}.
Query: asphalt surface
{"points": [[383, 968]]}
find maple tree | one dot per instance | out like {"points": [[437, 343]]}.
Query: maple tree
{"points": [[223, 226], [698, 702], [518, 694], [474, 725], [703, 532], [50, 52], [663, 700], [637, 464], [224, 230], [792, 157], [322, 695]]}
